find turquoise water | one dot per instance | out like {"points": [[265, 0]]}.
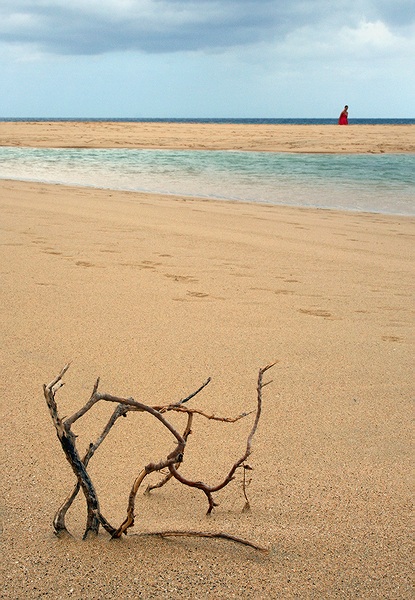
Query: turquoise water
{"points": [[373, 183]]}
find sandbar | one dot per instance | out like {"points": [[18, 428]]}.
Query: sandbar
{"points": [[207, 136]]}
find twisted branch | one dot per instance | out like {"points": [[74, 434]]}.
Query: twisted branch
{"points": [[59, 519], [172, 462], [209, 490]]}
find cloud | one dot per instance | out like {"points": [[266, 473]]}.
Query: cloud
{"points": [[92, 27], [369, 35], [82, 27], [400, 13]]}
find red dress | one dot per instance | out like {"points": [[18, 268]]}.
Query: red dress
{"points": [[343, 120]]}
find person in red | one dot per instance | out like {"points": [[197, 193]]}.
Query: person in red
{"points": [[344, 116]]}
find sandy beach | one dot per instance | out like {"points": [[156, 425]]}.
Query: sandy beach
{"points": [[154, 294]]}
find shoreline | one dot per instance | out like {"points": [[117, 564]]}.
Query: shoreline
{"points": [[191, 197]]}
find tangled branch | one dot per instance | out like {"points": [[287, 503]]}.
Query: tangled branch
{"points": [[172, 462]]}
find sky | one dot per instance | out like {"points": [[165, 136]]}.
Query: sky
{"points": [[207, 58]]}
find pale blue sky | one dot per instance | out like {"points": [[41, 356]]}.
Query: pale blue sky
{"points": [[207, 58]]}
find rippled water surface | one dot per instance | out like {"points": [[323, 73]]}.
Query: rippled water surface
{"points": [[375, 183]]}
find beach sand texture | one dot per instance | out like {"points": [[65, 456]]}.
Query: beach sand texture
{"points": [[200, 136], [155, 294]]}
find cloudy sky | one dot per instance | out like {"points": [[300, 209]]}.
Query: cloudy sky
{"points": [[207, 58]]}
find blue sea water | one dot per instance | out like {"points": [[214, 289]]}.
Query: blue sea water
{"points": [[249, 121], [383, 183]]}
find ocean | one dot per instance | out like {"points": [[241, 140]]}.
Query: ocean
{"points": [[248, 121], [380, 183]]}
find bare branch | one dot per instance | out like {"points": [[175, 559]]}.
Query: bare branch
{"points": [[138, 406], [67, 440], [206, 534], [192, 395], [244, 486], [195, 411], [167, 477], [59, 519], [59, 377], [209, 490], [93, 400], [173, 460]]}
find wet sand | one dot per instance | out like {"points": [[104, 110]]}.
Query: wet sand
{"points": [[155, 294]]}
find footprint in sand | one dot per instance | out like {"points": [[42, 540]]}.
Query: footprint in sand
{"points": [[84, 263], [197, 294], [318, 312], [150, 263], [54, 252], [181, 278]]}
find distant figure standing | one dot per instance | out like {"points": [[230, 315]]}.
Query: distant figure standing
{"points": [[344, 116]]}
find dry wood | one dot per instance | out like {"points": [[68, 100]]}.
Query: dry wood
{"points": [[59, 520], [244, 486], [207, 534], [209, 490], [168, 476], [172, 462]]}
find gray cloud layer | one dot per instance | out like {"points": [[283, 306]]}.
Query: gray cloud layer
{"points": [[87, 27]]}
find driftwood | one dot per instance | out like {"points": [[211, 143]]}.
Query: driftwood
{"points": [[171, 463]]}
